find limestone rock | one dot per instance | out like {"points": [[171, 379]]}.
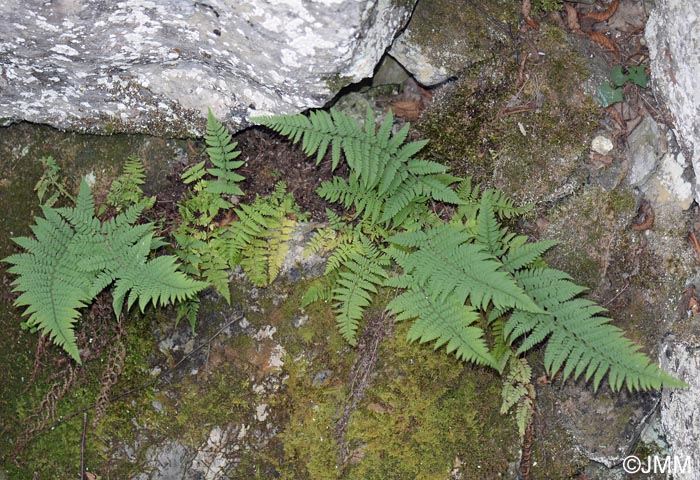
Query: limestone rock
{"points": [[675, 67], [680, 409], [155, 67], [431, 50], [659, 172]]}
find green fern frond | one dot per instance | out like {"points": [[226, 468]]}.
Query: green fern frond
{"points": [[222, 153], [320, 289], [259, 240], [382, 168], [74, 256], [522, 254], [126, 188], [447, 265], [518, 391], [579, 341], [445, 321], [357, 281], [194, 173]]}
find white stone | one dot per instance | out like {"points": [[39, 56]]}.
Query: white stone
{"points": [[602, 145], [188, 56]]}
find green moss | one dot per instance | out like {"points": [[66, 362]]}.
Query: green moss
{"points": [[426, 414], [337, 82]]}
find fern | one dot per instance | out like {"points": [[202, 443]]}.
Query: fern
{"points": [[125, 190], [457, 276], [385, 181], [579, 341], [363, 271], [51, 181], [74, 256], [480, 265], [222, 153], [519, 392], [202, 247], [259, 240]]}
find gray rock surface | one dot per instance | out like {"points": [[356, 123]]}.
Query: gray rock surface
{"points": [[431, 51], [658, 168], [680, 409], [675, 67], [155, 67]]}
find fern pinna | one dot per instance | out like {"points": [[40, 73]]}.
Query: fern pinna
{"points": [[74, 256]]}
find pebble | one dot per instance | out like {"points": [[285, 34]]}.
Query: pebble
{"points": [[602, 145]]}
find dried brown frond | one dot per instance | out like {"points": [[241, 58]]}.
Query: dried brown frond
{"points": [[110, 375], [526, 13]]}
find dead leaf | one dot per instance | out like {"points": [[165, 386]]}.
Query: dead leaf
{"points": [[602, 39], [605, 14], [526, 13], [409, 110], [572, 18]]}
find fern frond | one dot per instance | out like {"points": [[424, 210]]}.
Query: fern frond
{"points": [[522, 254], [126, 188], [259, 240], [222, 153], [446, 265], [52, 289], [445, 321], [321, 289], [357, 281], [74, 256], [518, 391], [155, 281], [581, 342], [488, 230]]}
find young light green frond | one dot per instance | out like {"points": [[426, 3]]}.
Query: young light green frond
{"points": [[259, 241], [357, 282], [488, 229], [321, 242], [222, 153], [126, 188], [445, 321]]}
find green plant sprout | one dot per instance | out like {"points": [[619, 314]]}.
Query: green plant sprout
{"points": [[611, 92]]}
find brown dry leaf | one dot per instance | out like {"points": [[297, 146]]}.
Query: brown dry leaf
{"points": [[599, 160], [605, 14], [602, 39], [526, 14], [90, 476], [572, 18], [409, 110]]}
